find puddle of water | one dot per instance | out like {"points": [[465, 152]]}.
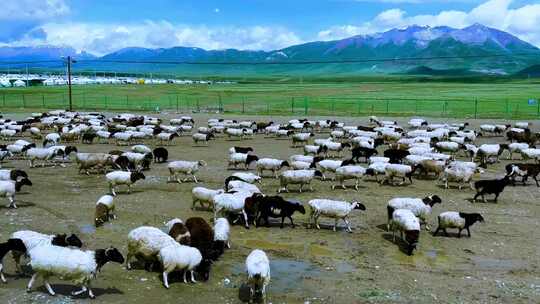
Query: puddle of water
{"points": [[287, 275], [431, 253], [492, 264], [87, 228]]}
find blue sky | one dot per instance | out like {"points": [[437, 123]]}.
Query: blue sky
{"points": [[99, 26]]}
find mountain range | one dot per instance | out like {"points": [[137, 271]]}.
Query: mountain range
{"points": [[415, 49]]}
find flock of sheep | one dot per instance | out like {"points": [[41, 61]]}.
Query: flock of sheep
{"points": [[417, 150]]}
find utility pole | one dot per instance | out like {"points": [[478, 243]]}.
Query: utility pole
{"points": [[69, 62]]}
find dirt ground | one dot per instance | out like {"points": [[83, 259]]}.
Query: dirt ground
{"points": [[498, 264]]}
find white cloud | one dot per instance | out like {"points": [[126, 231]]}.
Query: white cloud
{"points": [[524, 21], [33, 9], [216, 10], [104, 38]]}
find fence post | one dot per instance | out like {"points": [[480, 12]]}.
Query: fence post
{"points": [[305, 106], [292, 105], [475, 108]]}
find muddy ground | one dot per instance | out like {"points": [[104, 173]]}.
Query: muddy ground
{"points": [[498, 264]]}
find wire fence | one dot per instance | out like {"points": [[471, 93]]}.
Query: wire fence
{"points": [[279, 105]]}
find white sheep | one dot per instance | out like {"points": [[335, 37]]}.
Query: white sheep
{"points": [[90, 160], [404, 220], [248, 177], [270, 164], [332, 209], [241, 158], [9, 188], [70, 264], [258, 271], [516, 148], [531, 153], [116, 178], [329, 165], [204, 195], [231, 202], [312, 149], [146, 242], [447, 146], [421, 208], [141, 149], [301, 138], [297, 177], [349, 172], [43, 154], [184, 167], [237, 185], [460, 175], [459, 220], [104, 209], [179, 257], [397, 170], [222, 231], [300, 165]]}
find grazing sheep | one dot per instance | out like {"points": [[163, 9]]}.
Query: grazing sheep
{"points": [[116, 178], [301, 138], [204, 195], [201, 236], [10, 245], [166, 136], [459, 220], [300, 165], [530, 153], [333, 209], [420, 207], [222, 232], [32, 239], [145, 242], [270, 164], [240, 158], [335, 147], [516, 147], [232, 202], [246, 177], [524, 171], [397, 170], [178, 231], [329, 165], [258, 270], [349, 172], [428, 166], [297, 177], [314, 150], [13, 174], [365, 152], [376, 169], [180, 257], [70, 264], [276, 207], [9, 188], [396, 155], [490, 186], [244, 150], [88, 161], [447, 146], [161, 155], [455, 174], [43, 154], [104, 210], [486, 151], [204, 138], [141, 149], [404, 220], [184, 167]]}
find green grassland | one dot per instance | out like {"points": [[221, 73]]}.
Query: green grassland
{"points": [[497, 99]]}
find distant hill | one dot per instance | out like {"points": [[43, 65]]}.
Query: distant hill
{"points": [[415, 49], [532, 71]]}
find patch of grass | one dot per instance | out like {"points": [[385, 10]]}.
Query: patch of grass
{"points": [[436, 99]]}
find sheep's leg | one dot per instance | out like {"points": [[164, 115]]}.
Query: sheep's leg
{"points": [[78, 292], [335, 224], [348, 225], [194, 202], [301, 185], [195, 179], [436, 230], [128, 259], [48, 286], [17, 258], [445, 232], [90, 293], [166, 279], [317, 221], [192, 277], [292, 223], [31, 283], [12, 203], [185, 277], [459, 232], [245, 219], [468, 232], [129, 189], [111, 189], [311, 188]]}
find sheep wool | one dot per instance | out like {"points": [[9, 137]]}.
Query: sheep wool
{"points": [[451, 219], [179, 257], [146, 241], [258, 270], [67, 264]]}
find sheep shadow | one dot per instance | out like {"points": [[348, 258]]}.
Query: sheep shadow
{"points": [[382, 227], [452, 234], [66, 290], [479, 200], [402, 245]]}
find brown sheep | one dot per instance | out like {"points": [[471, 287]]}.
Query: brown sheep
{"points": [[202, 237]]}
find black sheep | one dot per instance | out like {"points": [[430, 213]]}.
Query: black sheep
{"points": [[277, 207], [490, 186], [396, 156], [88, 138], [358, 152], [243, 150], [201, 237], [10, 245]]}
